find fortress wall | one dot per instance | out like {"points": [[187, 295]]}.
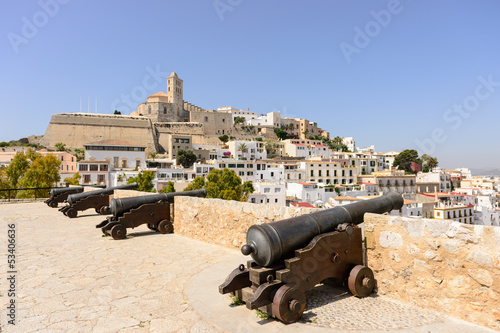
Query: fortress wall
{"points": [[75, 129], [443, 265]]}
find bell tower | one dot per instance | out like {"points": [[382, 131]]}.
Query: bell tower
{"points": [[174, 93]]}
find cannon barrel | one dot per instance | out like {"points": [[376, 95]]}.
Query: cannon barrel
{"points": [[270, 242], [56, 191], [109, 190], [119, 206]]}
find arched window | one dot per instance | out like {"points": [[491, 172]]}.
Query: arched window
{"points": [[149, 109], [164, 110]]}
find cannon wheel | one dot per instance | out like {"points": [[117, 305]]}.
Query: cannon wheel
{"points": [[152, 227], [53, 204], [97, 210], [71, 213], [361, 281], [288, 303], [165, 227], [102, 210], [118, 232]]}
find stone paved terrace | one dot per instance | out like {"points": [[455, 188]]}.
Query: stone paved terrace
{"points": [[71, 279]]}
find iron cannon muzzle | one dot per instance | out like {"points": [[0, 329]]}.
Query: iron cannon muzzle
{"points": [[267, 243]]}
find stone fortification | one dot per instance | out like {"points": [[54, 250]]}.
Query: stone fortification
{"points": [[443, 265], [77, 129], [225, 222]]}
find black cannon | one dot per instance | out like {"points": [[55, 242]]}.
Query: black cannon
{"points": [[153, 210], [58, 195], [291, 256], [98, 199]]}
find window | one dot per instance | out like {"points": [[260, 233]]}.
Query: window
{"points": [[328, 173], [231, 165], [206, 119], [83, 167], [242, 173], [94, 167], [240, 165], [164, 110], [275, 200], [267, 190], [312, 173], [249, 165], [115, 162], [86, 179], [277, 189], [103, 167], [124, 163], [137, 163], [100, 178]]}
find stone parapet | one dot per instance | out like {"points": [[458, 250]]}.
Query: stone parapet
{"points": [[224, 222], [443, 265]]}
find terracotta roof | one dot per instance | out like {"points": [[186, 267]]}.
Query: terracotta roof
{"points": [[306, 183], [406, 201], [302, 204], [158, 94], [114, 142]]}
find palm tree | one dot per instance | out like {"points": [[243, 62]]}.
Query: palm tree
{"points": [[243, 148]]}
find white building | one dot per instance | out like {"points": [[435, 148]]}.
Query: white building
{"points": [[310, 192], [443, 179], [350, 143], [248, 115], [268, 193], [247, 150], [306, 148]]}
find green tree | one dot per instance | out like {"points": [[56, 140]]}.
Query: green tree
{"points": [[432, 162], [403, 160], [223, 184], [74, 180], [197, 184], [243, 148], [168, 189], [224, 138], [17, 168], [186, 158], [4, 184], [239, 120], [452, 187], [281, 133], [117, 112], [246, 190], [144, 181], [80, 154], [42, 172], [60, 146]]}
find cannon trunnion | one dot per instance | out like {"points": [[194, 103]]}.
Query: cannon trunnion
{"points": [[58, 195], [291, 256], [98, 199], [153, 210]]}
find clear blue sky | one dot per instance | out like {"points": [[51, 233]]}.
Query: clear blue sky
{"points": [[402, 79]]}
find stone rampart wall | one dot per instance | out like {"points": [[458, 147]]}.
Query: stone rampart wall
{"points": [[443, 265], [75, 130], [224, 222], [130, 193]]}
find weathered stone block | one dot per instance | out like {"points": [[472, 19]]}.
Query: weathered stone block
{"points": [[481, 276], [480, 258], [389, 239]]}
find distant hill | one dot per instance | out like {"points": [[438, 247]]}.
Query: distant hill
{"points": [[486, 172]]}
